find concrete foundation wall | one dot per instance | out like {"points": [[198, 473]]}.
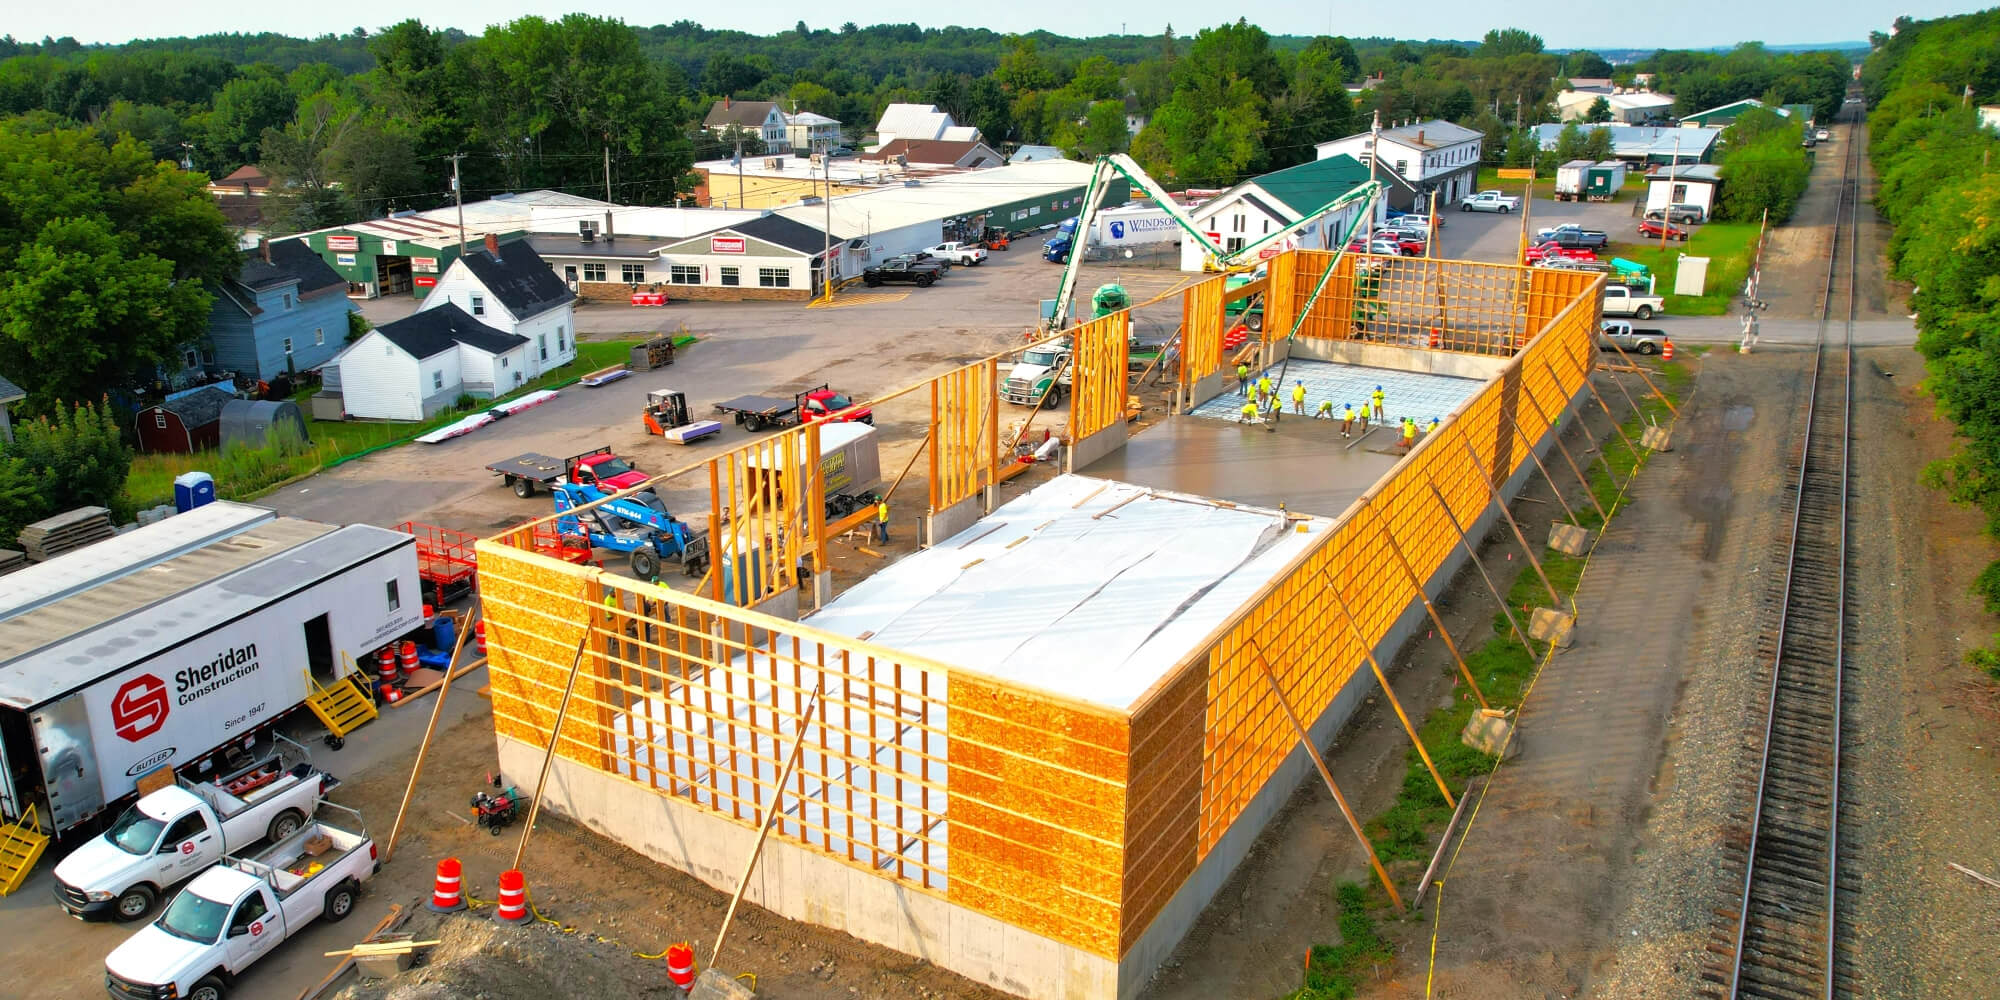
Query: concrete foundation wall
{"points": [[951, 520], [1407, 359], [802, 883], [1164, 934], [1081, 454]]}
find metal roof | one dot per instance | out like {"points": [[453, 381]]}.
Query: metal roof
{"points": [[155, 583], [54, 667], [943, 197], [81, 569], [9, 392]]}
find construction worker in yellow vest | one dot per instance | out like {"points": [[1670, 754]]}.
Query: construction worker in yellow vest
{"points": [[1347, 421], [1249, 414], [1243, 377], [882, 521], [1263, 386], [1325, 411], [1376, 398], [1431, 428], [1299, 398], [1409, 433]]}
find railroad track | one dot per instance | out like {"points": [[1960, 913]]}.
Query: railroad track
{"points": [[1781, 942]]}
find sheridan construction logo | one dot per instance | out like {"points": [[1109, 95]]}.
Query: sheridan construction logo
{"points": [[193, 682], [139, 708]]}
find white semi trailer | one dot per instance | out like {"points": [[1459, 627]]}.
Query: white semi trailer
{"points": [[181, 661]]}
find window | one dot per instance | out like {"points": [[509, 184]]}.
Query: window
{"points": [[774, 277], [251, 911], [684, 274], [503, 361], [593, 272], [632, 274], [190, 360], [1234, 244], [319, 336], [732, 276], [1267, 227], [479, 305], [542, 344], [288, 345], [437, 380], [184, 828], [1238, 222], [569, 273], [561, 344], [160, 419], [395, 596], [288, 300]]}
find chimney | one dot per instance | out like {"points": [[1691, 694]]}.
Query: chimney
{"points": [[264, 248], [1420, 136], [609, 233], [493, 246], [727, 103]]}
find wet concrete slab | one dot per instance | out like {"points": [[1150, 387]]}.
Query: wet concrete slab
{"points": [[1302, 463], [1405, 394]]}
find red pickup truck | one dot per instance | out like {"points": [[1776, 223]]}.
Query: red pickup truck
{"points": [[598, 467]]}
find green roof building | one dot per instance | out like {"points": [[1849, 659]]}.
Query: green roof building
{"points": [[1277, 201]]}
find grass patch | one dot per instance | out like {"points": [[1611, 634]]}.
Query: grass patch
{"points": [[1727, 245], [244, 473], [1333, 971]]}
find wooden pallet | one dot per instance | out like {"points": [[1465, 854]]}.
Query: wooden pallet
{"points": [[65, 532]]}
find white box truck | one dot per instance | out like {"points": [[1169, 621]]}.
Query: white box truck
{"points": [[186, 662]]}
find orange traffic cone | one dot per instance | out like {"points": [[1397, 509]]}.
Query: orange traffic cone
{"points": [[445, 894], [1667, 353], [513, 896], [680, 965], [1436, 340]]}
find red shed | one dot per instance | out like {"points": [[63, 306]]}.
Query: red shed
{"points": [[183, 424]]}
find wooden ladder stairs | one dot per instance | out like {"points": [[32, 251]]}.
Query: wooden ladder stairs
{"points": [[342, 706], [21, 845]]}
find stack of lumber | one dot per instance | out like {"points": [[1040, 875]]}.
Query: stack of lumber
{"points": [[51, 537], [11, 560]]}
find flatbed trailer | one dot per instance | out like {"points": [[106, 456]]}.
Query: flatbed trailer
{"points": [[755, 413]]}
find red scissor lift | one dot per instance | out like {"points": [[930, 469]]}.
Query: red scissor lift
{"points": [[445, 560], [557, 545]]}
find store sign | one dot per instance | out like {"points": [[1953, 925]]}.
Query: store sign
{"points": [[727, 244], [343, 243], [388, 248], [424, 265], [344, 259], [423, 282]]}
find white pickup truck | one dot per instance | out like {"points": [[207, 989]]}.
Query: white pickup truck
{"points": [[1622, 301], [174, 833], [965, 254], [1489, 201], [240, 911]]}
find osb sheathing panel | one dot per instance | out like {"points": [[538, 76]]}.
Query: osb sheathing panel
{"points": [[1100, 349], [1164, 797], [531, 638], [1201, 329], [964, 432], [1054, 753]]}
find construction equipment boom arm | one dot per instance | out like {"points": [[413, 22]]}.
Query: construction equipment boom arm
{"points": [[1119, 164]]}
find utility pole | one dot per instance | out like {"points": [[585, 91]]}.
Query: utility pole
{"points": [[826, 254], [1667, 213], [458, 196], [739, 173], [607, 168], [1374, 157]]}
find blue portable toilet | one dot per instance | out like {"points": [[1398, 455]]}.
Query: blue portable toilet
{"points": [[193, 489]]}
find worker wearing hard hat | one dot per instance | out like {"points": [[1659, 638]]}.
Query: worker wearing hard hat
{"points": [[1243, 377], [1376, 399], [1347, 421], [1299, 397], [1263, 386]]}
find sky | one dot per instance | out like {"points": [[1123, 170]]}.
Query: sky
{"points": [[1688, 24]]}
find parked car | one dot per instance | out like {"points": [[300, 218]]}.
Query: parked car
{"points": [[899, 271], [1543, 251], [1384, 245], [1679, 214], [1414, 220], [968, 254], [1574, 236], [1622, 301], [1629, 339], [923, 258], [1652, 229], [1823, 135], [1489, 201]]}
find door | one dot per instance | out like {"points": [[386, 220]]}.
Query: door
{"points": [[17, 754], [319, 649], [254, 929], [188, 846]]}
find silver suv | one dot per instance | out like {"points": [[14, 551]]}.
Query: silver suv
{"points": [[1679, 214]]}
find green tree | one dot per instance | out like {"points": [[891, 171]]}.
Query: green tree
{"points": [[1767, 174], [104, 252], [1587, 64], [1597, 145], [1504, 42], [73, 457], [244, 108], [1569, 146], [1600, 111], [1211, 130], [1104, 130]]}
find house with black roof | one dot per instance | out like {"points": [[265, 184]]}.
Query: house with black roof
{"points": [[419, 365], [510, 288], [285, 311], [773, 257]]}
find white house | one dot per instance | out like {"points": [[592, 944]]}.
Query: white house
{"points": [[510, 288], [762, 119], [1630, 107], [1275, 202], [1693, 185], [1989, 116], [811, 132], [920, 121], [417, 366], [1416, 159]]}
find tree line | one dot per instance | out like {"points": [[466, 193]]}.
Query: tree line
{"points": [[1940, 188]]}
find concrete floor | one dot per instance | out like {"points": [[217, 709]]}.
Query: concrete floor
{"points": [[1403, 393], [1301, 463]]}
